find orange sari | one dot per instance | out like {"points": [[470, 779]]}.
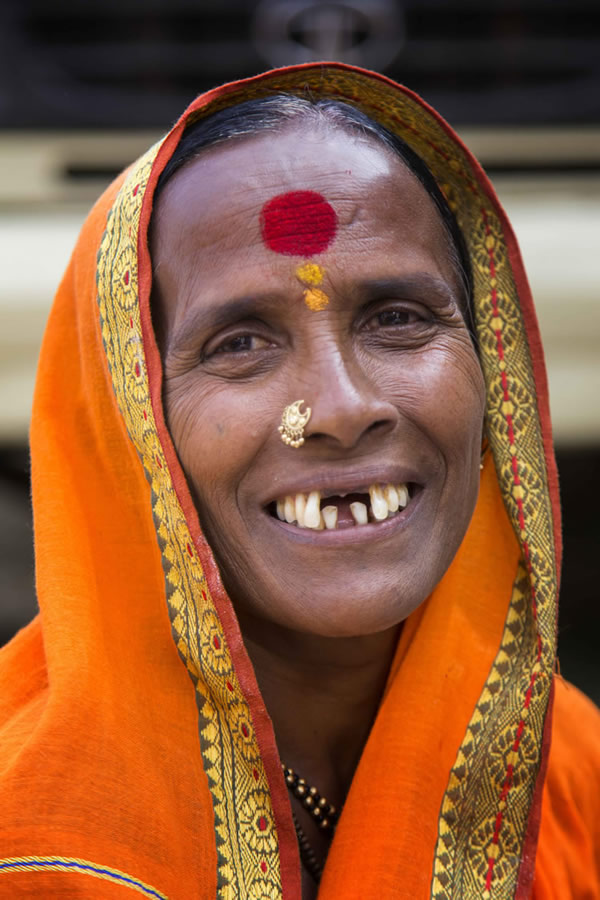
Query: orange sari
{"points": [[136, 753]]}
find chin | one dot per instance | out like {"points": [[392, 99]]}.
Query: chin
{"points": [[355, 612]]}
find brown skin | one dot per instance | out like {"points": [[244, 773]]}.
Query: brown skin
{"points": [[396, 392]]}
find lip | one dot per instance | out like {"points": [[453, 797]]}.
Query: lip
{"points": [[352, 481], [356, 534]]}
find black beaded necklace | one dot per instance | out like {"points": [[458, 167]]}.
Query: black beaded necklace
{"points": [[325, 816]]}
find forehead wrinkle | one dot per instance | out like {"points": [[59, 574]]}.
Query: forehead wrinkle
{"points": [[374, 156], [255, 175], [252, 185]]}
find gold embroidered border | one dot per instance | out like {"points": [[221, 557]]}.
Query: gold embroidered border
{"points": [[246, 838], [484, 814]]}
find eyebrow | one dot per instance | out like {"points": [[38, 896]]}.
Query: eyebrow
{"points": [[219, 315], [419, 285], [249, 306]]}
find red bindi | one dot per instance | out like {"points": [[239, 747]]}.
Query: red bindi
{"points": [[299, 223]]}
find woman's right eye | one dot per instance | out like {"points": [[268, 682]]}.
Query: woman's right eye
{"points": [[243, 343]]}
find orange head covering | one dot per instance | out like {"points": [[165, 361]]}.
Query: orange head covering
{"points": [[136, 752]]}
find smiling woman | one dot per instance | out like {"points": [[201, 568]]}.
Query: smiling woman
{"points": [[271, 538], [387, 367]]}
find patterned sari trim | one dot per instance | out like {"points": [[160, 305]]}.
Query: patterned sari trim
{"points": [[80, 866], [246, 837]]}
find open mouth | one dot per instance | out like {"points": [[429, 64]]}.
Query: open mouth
{"points": [[335, 511]]}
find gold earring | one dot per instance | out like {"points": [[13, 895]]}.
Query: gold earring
{"points": [[484, 449], [292, 424]]}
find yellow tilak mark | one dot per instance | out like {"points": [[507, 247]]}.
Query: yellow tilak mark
{"points": [[315, 299], [311, 273]]}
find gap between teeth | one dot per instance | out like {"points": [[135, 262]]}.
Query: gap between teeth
{"points": [[305, 509]]}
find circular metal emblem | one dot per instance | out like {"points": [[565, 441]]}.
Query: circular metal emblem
{"points": [[366, 33]]}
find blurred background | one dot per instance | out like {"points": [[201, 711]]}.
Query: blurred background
{"points": [[87, 85]]}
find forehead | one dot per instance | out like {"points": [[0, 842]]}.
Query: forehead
{"points": [[220, 198]]}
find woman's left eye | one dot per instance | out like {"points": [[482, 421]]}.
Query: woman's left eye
{"points": [[395, 317]]}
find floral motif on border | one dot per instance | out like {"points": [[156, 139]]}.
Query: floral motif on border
{"points": [[485, 810], [246, 838]]}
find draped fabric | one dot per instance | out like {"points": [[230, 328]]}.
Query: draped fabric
{"points": [[136, 753]]}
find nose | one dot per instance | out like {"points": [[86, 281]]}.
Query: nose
{"points": [[347, 403]]}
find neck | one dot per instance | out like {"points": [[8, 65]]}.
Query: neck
{"points": [[322, 695]]}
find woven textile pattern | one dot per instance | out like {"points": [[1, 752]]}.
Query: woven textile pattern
{"points": [[247, 848]]}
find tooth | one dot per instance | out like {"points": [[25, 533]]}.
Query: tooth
{"points": [[379, 507], [359, 513], [299, 507], [391, 497], [330, 514], [289, 510], [402, 495], [312, 511], [281, 510]]}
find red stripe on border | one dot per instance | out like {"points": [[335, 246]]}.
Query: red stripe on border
{"points": [[508, 778]]}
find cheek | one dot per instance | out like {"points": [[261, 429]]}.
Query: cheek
{"points": [[443, 391], [215, 435]]}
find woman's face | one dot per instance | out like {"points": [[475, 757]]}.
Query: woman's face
{"points": [[386, 365]]}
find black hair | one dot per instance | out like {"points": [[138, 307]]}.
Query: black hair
{"points": [[277, 111]]}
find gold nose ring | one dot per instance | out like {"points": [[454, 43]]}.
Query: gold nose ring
{"points": [[292, 425]]}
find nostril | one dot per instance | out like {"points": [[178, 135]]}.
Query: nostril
{"points": [[346, 415], [348, 432]]}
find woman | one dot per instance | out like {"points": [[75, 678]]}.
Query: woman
{"points": [[300, 328]]}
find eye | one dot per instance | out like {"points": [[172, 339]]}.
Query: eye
{"points": [[397, 317], [392, 317], [242, 343]]}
